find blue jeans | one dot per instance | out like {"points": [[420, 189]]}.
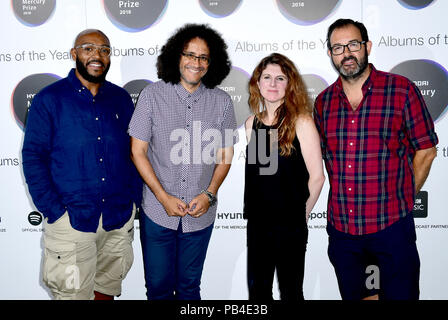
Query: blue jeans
{"points": [[173, 260]]}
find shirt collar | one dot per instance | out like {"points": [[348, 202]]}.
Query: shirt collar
{"points": [[185, 94], [370, 81], [73, 79]]}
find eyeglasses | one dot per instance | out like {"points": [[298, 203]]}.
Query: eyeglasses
{"points": [[352, 46], [89, 49], [192, 57]]}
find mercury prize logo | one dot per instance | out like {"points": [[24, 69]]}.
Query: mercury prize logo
{"points": [[25, 91], [134, 88], [33, 13], [307, 12], [314, 85], [415, 4], [235, 84], [134, 16], [219, 8], [432, 80]]}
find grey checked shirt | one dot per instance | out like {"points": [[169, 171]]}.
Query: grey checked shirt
{"points": [[183, 131]]}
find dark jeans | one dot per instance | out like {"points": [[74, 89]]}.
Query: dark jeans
{"points": [[173, 260], [278, 247], [385, 262]]}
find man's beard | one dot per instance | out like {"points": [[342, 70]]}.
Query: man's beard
{"points": [[87, 76], [355, 73]]}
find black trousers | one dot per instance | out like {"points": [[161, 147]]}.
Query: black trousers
{"points": [[385, 262], [276, 246]]}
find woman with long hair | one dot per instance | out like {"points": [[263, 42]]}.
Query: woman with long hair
{"points": [[283, 178]]}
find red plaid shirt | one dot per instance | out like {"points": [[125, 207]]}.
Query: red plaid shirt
{"points": [[368, 152]]}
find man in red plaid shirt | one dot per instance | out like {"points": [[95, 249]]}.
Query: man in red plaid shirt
{"points": [[378, 143]]}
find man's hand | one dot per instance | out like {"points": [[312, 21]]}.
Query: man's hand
{"points": [[198, 206], [139, 155], [174, 207]]}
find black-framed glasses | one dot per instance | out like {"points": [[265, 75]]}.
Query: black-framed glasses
{"points": [[89, 49], [192, 57], [352, 46]]}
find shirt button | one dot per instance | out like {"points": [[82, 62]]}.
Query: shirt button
{"points": [[351, 143], [103, 179], [96, 118], [349, 189], [189, 107], [104, 200], [99, 138], [349, 165], [101, 159], [353, 121], [351, 210], [183, 180]]}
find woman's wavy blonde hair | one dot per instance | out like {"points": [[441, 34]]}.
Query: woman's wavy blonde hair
{"points": [[296, 101]]}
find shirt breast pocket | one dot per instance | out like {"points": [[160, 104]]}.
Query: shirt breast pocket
{"points": [[389, 127]]}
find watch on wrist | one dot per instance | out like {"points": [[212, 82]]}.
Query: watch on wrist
{"points": [[211, 197]]}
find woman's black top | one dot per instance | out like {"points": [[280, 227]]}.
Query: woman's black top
{"points": [[279, 193]]}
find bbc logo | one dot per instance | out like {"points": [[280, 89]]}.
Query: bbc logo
{"points": [[421, 205]]}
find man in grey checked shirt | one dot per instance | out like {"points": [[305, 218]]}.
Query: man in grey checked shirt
{"points": [[183, 132]]}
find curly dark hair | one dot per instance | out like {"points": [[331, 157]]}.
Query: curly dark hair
{"points": [[169, 58]]}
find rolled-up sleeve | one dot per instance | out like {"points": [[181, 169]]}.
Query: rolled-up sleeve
{"points": [[418, 121]]}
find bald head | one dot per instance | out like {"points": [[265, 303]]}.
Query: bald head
{"points": [[91, 52], [87, 32]]}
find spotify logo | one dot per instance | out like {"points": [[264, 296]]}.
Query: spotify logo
{"points": [[314, 85], [432, 80], [35, 218], [25, 91], [307, 12], [219, 8], [134, 16], [415, 4], [235, 84], [134, 88], [33, 13]]}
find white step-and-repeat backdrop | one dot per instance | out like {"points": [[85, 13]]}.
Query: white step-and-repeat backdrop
{"points": [[409, 37]]}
